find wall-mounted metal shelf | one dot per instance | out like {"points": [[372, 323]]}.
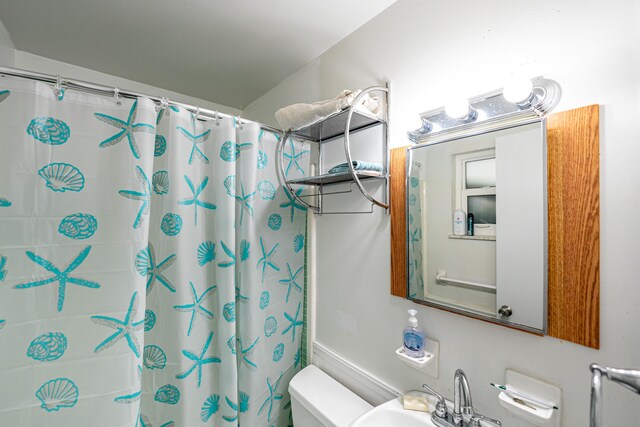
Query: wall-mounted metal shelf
{"points": [[334, 126], [340, 124], [335, 178]]}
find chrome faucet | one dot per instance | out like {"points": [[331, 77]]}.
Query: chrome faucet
{"points": [[462, 406], [463, 413], [629, 378]]}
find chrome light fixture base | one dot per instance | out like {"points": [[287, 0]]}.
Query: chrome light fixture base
{"points": [[490, 108]]}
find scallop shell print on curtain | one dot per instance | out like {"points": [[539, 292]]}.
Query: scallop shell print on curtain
{"points": [[65, 248], [154, 275]]}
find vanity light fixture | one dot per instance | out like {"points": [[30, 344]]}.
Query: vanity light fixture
{"points": [[518, 103]]}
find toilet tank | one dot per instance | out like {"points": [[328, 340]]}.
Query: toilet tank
{"points": [[317, 400]]}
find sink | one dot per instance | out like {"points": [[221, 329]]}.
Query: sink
{"points": [[392, 413]]}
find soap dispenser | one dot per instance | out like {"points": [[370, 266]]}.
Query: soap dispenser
{"points": [[413, 337]]}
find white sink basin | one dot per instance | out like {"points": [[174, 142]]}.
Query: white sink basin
{"points": [[393, 414]]}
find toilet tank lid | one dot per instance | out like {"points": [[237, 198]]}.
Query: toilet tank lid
{"points": [[328, 400]]}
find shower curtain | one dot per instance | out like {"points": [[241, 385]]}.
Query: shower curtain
{"points": [[151, 266]]}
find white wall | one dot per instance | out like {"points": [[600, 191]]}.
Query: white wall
{"points": [[23, 60], [430, 50], [31, 62], [7, 52]]}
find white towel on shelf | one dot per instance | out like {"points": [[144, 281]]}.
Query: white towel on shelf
{"points": [[297, 116]]}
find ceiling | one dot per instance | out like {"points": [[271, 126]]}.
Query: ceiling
{"points": [[230, 52]]}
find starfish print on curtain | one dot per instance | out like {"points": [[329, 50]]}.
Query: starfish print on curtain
{"points": [[61, 276], [245, 352], [135, 396], [147, 267], [244, 199], [293, 323], [293, 159], [127, 129], [195, 139], [194, 200], [415, 238], [292, 203], [141, 420], [266, 260], [196, 306], [291, 281], [198, 361], [143, 196], [273, 396], [125, 328]]}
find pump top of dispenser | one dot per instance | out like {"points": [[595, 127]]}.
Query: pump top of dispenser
{"points": [[413, 322]]}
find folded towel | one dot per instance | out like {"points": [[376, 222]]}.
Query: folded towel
{"points": [[357, 165], [297, 116]]}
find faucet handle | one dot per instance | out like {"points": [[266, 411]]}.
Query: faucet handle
{"points": [[478, 420], [441, 406]]}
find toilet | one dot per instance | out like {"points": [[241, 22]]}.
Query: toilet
{"points": [[317, 400]]}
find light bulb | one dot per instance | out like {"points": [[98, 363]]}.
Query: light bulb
{"points": [[518, 90], [457, 108]]}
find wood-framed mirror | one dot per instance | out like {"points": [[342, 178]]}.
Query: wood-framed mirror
{"points": [[573, 226]]}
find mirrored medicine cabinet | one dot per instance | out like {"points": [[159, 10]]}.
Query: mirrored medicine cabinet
{"points": [[495, 266], [533, 260]]}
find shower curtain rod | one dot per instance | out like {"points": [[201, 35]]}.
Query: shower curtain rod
{"points": [[89, 87]]}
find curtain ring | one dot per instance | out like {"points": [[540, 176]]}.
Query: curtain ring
{"points": [[240, 124], [164, 104], [116, 95], [217, 116], [197, 113], [58, 90]]}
